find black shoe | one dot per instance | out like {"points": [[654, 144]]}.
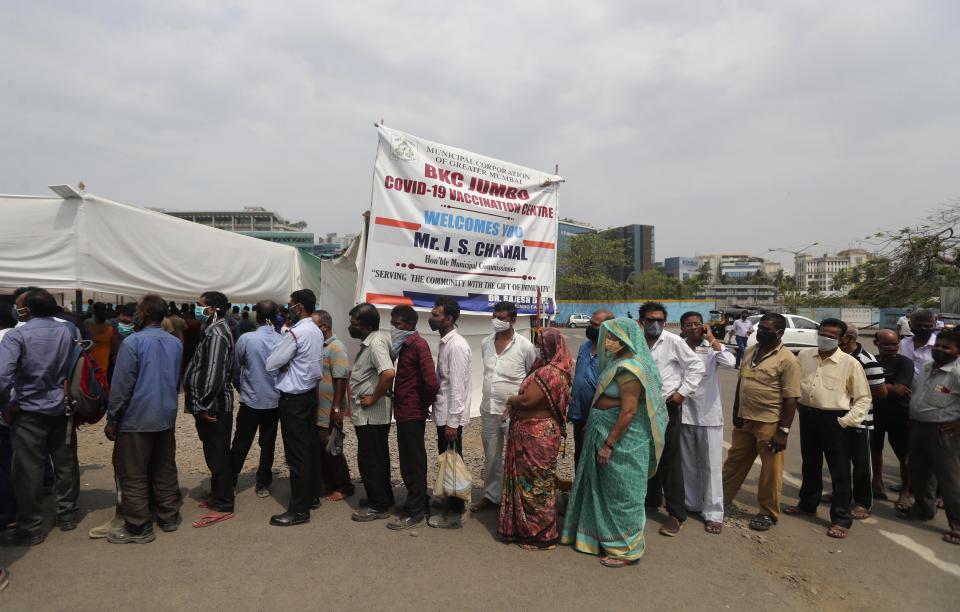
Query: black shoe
{"points": [[315, 504], [288, 519], [22, 537], [369, 514], [407, 522], [68, 524], [171, 526]]}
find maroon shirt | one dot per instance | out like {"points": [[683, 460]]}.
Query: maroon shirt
{"points": [[416, 384]]}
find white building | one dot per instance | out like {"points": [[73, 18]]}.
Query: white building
{"points": [[818, 272]]}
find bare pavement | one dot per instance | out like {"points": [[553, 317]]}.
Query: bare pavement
{"points": [[333, 563]]}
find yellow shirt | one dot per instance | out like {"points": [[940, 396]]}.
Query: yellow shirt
{"points": [[835, 383], [765, 384]]}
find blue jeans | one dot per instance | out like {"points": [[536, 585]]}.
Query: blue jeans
{"points": [[741, 348]]}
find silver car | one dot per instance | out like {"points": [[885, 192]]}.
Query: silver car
{"points": [[579, 320]]}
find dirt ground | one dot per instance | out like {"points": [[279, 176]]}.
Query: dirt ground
{"points": [[333, 563]]}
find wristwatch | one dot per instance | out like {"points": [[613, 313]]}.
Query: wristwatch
{"points": [[785, 430]]}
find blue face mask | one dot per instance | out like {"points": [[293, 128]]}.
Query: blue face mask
{"points": [[125, 329], [200, 312]]}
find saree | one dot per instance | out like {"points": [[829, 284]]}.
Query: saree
{"points": [[528, 511], [606, 513]]}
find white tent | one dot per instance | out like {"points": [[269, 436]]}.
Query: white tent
{"points": [[341, 291], [84, 242]]}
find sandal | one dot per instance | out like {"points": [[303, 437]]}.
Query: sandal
{"points": [[860, 513], [207, 503], [796, 511], [952, 537], [838, 532], [713, 527], [904, 503], [535, 548], [212, 518], [672, 527], [336, 496], [762, 522], [606, 561]]}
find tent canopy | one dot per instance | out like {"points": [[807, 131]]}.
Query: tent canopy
{"points": [[93, 244]]}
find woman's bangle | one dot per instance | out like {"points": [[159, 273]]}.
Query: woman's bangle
{"points": [[608, 444]]}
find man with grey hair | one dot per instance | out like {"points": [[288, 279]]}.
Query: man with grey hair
{"points": [[585, 380], [919, 347]]}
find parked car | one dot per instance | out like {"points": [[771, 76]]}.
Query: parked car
{"points": [[801, 332], [579, 320]]}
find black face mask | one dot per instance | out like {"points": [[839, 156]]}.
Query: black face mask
{"points": [[941, 357], [593, 333], [923, 335], [766, 337], [433, 324], [354, 332]]}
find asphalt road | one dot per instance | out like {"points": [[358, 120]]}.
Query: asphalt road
{"points": [[333, 563]]}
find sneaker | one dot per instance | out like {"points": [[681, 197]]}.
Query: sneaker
{"points": [[448, 520], [368, 514], [101, 531], [407, 522], [122, 536], [263, 491]]}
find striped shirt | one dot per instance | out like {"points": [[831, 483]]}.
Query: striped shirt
{"points": [[875, 378], [207, 381]]}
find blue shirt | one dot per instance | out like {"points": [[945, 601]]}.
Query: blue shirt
{"points": [[298, 359], [35, 360], [584, 383], [258, 388], [143, 393]]}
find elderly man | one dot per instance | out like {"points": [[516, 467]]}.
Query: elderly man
{"points": [[35, 360], [585, 380], [892, 413], [331, 476], [919, 347], [834, 396]]}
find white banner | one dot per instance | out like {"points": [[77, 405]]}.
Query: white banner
{"points": [[445, 221]]}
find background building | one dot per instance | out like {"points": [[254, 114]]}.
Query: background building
{"points": [[817, 273], [254, 221], [333, 245], [639, 248], [740, 295], [568, 228], [681, 267]]}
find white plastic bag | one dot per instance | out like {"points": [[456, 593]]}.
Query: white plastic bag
{"points": [[453, 477]]}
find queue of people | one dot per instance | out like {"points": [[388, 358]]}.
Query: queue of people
{"points": [[645, 406]]}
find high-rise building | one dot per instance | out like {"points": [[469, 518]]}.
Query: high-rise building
{"points": [[254, 221], [567, 229], [818, 272], [681, 267], [638, 246]]}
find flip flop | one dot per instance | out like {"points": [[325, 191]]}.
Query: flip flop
{"points": [[713, 527], [860, 513], [212, 518], [837, 532], [762, 522], [336, 496], [207, 503], [952, 537], [533, 548], [671, 528], [606, 561]]}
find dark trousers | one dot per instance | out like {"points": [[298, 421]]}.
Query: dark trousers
{"points": [[413, 465], [8, 506], [578, 428], [330, 472], [373, 459], [216, 452], [34, 437], [821, 435], [249, 421], [298, 414], [934, 460], [455, 504], [893, 425], [146, 467], [859, 440], [667, 483]]}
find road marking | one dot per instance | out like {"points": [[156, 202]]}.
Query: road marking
{"points": [[787, 476], [923, 552]]}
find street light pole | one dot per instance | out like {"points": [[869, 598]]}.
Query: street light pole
{"points": [[795, 253]]}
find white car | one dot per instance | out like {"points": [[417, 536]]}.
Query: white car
{"points": [[801, 332], [579, 320]]}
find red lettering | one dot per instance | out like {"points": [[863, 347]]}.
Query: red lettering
{"points": [[429, 171], [388, 182]]}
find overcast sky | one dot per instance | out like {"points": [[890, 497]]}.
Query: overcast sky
{"points": [[730, 126]]}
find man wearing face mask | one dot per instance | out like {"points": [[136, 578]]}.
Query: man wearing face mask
{"points": [[935, 436], [208, 396], [834, 396], [585, 380], [742, 328], [892, 413], [125, 326], [919, 347], [297, 362], [680, 374], [414, 391], [371, 410], [507, 359]]}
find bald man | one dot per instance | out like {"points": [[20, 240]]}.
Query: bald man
{"points": [[892, 413], [585, 379]]}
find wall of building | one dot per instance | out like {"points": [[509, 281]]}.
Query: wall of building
{"points": [[675, 308]]}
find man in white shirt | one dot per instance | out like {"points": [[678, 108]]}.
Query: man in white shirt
{"points": [[903, 324], [680, 374], [507, 359], [451, 409], [918, 347], [297, 362], [701, 429], [742, 328]]}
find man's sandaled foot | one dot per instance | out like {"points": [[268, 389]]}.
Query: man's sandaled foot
{"points": [[606, 561], [797, 511], [838, 532], [952, 537], [484, 504], [336, 496], [860, 513], [762, 522], [672, 527], [713, 527]]}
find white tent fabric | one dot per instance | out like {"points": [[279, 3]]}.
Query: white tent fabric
{"points": [[340, 292], [97, 245]]}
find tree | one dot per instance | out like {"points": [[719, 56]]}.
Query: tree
{"points": [[585, 268]]}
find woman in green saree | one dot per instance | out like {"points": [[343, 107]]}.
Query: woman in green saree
{"points": [[624, 432]]}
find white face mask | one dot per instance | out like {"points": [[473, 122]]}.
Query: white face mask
{"points": [[500, 326], [827, 344]]}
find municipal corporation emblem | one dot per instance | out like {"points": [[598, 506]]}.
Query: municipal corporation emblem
{"points": [[404, 148]]}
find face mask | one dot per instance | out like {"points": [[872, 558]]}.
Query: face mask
{"points": [[125, 329], [20, 313], [433, 324], [354, 332], [294, 315], [654, 328], [827, 344], [612, 346], [593, 333], [923, 335], [766, 337], [200, 312], [941, 357], [500, 326], [397, 338]]}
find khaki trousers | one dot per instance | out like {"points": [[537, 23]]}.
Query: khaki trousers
{"points": [[748, 442]]}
